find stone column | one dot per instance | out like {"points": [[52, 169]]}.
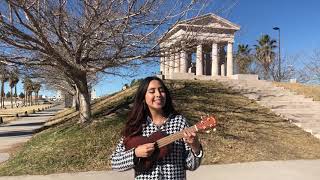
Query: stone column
{"points": [[229, 59], [215, 60], [177, 62], [199, 60], [171, 64], [162, 63], [223, 73], [167, 61], [183, 61]]}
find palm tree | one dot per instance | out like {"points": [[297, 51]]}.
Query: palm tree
{"points": [[27, 86], [265, 54], [13, 80], [15, 90], [36, 89], [243, 58], [3, 79]]}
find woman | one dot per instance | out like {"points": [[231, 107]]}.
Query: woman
{"points": [[153, 111]]}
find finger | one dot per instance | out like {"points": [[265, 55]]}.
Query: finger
{"points": [[149, 145], [150, 148], [188, 133]]}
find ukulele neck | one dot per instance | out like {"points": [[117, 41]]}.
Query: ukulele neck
{"points": [[171, 138]]}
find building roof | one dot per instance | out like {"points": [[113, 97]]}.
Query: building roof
{"points": [[205, 22]]}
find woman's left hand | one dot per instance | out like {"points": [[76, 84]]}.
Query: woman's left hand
{"points": [[192, 140]]}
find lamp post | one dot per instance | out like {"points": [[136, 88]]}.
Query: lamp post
{"points": [[279, 70]]}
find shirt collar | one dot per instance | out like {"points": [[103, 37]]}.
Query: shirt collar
{"points": [[149, 120]]}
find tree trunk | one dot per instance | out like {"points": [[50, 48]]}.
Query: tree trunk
{"points": [[85, 107], [15, 95], [84, 99], [2, 92], [36, 98], [11, 98], [29, 99], [75, 101], [25, 98], [1, 95]]}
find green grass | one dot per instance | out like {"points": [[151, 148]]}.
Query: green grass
{"points": [[245, 132]]}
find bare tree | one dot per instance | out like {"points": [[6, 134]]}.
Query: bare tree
{"points": [[311, 70], [36, 88], [3, 78], [288, 68], [54, 80], [81, 38], [13, 80]]}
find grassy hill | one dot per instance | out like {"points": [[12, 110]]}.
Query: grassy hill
{"points": [[245, 132]]}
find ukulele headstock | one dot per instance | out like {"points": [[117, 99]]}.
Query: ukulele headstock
{"points": [[207, 122]]}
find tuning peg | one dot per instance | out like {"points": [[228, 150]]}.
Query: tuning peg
{"points": [[214, 129], [208, 131]]}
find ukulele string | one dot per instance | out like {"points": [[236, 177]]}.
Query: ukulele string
{"points": [[169, 139]]}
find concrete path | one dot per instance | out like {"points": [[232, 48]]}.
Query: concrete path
{"points": [[21, 130], [265, 170]]}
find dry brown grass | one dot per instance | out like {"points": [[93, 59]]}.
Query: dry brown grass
{"points": [[10, 113], [312, 91]]}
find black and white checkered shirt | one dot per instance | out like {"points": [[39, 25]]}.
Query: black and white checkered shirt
{"points": [[172, 166]]}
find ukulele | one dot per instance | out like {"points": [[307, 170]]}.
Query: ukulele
{"points": [[162, 142]]}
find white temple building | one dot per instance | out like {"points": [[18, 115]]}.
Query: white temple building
{"points": [[198, 48], [93, 94]]}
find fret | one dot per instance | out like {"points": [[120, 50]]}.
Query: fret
{"points": [[173, 137]]}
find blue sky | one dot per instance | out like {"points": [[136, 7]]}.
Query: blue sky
{"points": [[298, 20]]}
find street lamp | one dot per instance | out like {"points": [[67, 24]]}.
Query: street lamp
{"points": [[279, 71]]}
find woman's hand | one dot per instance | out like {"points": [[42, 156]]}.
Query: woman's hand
{"points": [[192, 140], [144, 150]]}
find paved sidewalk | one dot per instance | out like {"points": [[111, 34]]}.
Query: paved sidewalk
{"points": [[21, 130], [264, 170]]}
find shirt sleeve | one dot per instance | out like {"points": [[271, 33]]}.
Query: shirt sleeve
{"points": [[193, 161], [122, 160]]}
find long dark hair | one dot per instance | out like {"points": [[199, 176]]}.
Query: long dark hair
{"points": [[138, 115]]}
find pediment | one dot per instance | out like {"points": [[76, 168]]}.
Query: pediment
{"points": [[212, 21], [206, 23]]}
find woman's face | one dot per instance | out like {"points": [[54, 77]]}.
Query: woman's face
{"points": [[155, 96]]}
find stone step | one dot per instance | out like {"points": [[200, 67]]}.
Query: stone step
{"points": [[293, 106], [299, 117], [305, 101], [249, 86], [284, 98], [315, 111], [307, 116], [302, 111], [313, 128], [300, 120], [262, 91]]}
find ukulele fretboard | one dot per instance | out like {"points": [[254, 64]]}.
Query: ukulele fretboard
{"points": [[173, 137]]}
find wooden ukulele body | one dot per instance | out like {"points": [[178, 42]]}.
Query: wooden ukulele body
{"points": [[162, 146], [158, 154]]}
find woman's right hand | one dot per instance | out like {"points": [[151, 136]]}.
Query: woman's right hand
{"points": [[144, 150]]}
